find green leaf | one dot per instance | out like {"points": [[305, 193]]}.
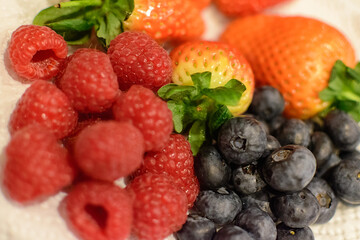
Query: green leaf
{"points": [[197, 136], [53, 14], [178, 114], [176, 92], [217, 118], [76, 19], [75, 24], [201, 80], [81, 39], [343, 91], [109, 26]]}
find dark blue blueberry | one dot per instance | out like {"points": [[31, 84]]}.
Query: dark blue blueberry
{"points": [[257, 222], [196, 228], [321, 146], [211, 169], [275, 124], [344, 178], [286, 233], [297, 210], [241, 140], [342, 129], [221, 206], [246, 180], [331, 162], [326, 198], [260, 200], [232, 232], [271, 145], [294, 131], [267, 103], [289, 168]]}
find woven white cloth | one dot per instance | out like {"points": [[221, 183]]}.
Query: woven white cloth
{"points": [[42, 221]]}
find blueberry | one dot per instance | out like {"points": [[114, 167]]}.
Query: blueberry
{"points": [[257, 222], [221, 206], [289, 168], [321, 146], [260, 200], [330, 163], [232, 232], [286, 233], [196, 228], [326, 198], [294, 131], [211, 169], [242, 140], [342, 129], [271, 145], [344, 179], [275, 124], [297, 210], [267, 103], [246, 180]]}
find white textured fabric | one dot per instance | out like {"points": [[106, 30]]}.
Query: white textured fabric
{"points": [[42, 221]]}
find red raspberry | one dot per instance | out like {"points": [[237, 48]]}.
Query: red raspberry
{"points": [[109, 150], [176, 160], [160, 207], [37, 165], [35, 52], [89, 81], [139, 59], [147, 112], [47, 105], [99, 211]]}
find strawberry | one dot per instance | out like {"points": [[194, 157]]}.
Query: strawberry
{"points": [[166, 19], [234, 8], [293, 54], [223, 61]]}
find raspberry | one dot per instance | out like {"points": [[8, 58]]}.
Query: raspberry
{"points": [[47, 105], [99, 211], [37, 165], [139, 59], [160, 207], [147, 112], [176, 160], [35, 52], [109, 150], [89, 81]]}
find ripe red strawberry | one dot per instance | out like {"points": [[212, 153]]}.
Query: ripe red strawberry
{"points": [[224, 63], [47, 105], [109, 150], [148, 113], [293, 54], [37, 165], [138, 59], [89, 81], [160, 207], [176, 160], [99, 211], [166, 20], [35, 52], [236, 8]]}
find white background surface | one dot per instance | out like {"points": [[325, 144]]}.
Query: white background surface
{"points": [[42, 222]]}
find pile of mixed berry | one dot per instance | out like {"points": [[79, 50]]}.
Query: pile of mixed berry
{"points": [[250, 137]]}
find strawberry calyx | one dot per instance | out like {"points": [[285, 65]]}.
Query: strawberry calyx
{"points": [[199, 109], [75, 20], [343, 91]]}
